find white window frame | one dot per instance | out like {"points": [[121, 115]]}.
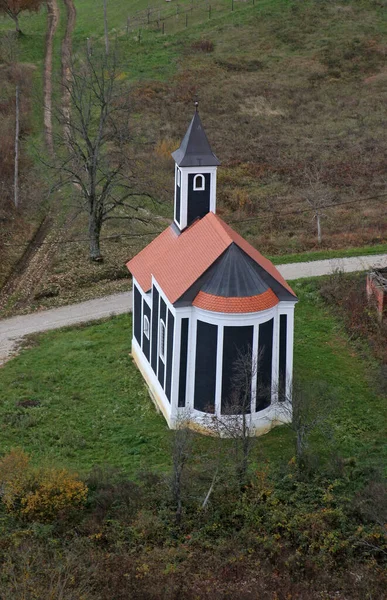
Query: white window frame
{"points": [[146, 327], [199, 188], [178, 177], [162, 340]]}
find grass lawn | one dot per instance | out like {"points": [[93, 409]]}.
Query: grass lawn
{"points": [[328, 254], [94, 407]]}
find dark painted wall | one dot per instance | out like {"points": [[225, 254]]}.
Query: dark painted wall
{"points": [[145, 340], [198, 202], [168, 376], [137, 314], [282, 354], [265, 361], [205, 367], [163, 311], [155, 328], [183, 362], [237, 361]]}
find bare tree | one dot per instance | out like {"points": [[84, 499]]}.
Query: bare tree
{"points": [[93, 146], [181, 452], [235, 422], [317, 195], [13, 8], [305, 410]]}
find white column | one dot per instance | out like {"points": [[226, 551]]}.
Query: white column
{"points": [[219, 371], [275, 361], [175, 369], [255, 369], [191, 364], [289, 351]]}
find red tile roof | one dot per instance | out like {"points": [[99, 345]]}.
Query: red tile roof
{"points": [[177, 261], [246, 304]]}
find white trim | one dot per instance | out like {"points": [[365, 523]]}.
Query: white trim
{"points": [[185, 171], [162, 350], [196, 187], [154, 385], [146, 326], [219, 369], [255, 364]]}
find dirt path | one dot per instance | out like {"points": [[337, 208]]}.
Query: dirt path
{"points": [[26, 276], [52, 24], [66, 55], [12, 330]]}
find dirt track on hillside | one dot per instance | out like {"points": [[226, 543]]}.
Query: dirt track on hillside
{"points": [[66, 57], [52, 24]]}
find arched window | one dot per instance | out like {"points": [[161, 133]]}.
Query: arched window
{"points": [[178, 176], [162, 341], [146, 327], [199, 183]]}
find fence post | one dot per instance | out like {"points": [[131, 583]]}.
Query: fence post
{"points": [[127, 25], [232, 4], [139, 36], [186, 20], [148, 15], [163, 27], [209, 11]]}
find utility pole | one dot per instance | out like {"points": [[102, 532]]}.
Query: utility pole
{"points": [[106, 27], [17, 131]]}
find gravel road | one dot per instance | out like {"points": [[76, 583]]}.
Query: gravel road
{"points": [[12, 330]]}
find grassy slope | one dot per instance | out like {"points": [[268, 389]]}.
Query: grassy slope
{"points": [[94, 407], [322, 87], [328, 254]]}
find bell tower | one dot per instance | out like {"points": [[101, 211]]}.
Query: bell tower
{"points": [[195, 175]]}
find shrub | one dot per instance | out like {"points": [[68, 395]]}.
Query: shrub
{"points": [[203, 46], [38, 494]]}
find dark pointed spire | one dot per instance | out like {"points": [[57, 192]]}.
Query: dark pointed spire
{"points": [[195, 150]]}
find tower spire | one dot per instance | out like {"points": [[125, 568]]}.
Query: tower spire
{"points": [[195, 175]]}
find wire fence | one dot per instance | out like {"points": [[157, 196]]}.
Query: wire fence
{"points": [[177, 16]]}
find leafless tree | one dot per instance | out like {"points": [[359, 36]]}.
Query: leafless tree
{"points": [[305, 409], [93, 155], [235, 422], [13, 8], [181, 452], [317, 195]]}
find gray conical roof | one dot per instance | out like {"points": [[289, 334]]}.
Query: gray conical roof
{"points": [[195, 150], [235, 274]]}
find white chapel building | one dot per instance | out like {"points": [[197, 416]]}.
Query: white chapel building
{"points": [[203, 298]]}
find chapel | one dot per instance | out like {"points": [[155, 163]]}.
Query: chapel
{"points": [[205, 304]]}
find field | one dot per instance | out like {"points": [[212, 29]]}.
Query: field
{"points": [[73, 399], [76, 399]]}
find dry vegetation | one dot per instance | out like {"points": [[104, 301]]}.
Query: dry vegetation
{"points": [[276, 99], [16, 226], [347, 296]]}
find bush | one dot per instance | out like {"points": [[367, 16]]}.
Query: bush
{"points": [[38, 494], [203, 46]]}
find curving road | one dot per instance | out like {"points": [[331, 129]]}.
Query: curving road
{"points": [[14, 329]]}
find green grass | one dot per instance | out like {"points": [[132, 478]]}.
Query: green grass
{"points": [[328, 254], [95, 409]]}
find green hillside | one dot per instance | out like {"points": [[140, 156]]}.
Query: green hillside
{"points": [[292, 96]]}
